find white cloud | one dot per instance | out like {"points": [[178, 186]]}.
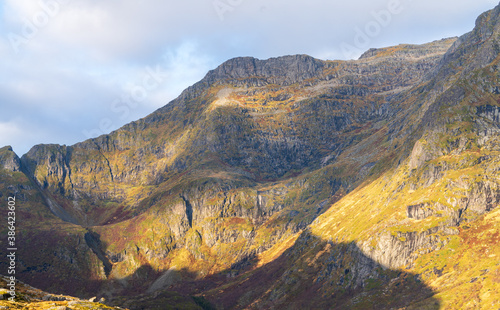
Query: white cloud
{"points": [[65, 78], [11, 131], [22, 135]]}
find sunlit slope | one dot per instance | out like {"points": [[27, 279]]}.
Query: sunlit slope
{"points": [[245, 158], [287, 183], [422, 230]]}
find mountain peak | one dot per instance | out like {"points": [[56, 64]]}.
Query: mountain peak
{"points": [[283, 70], [406, 51], [334, 174], [476, 48], [488, 23], [8, 159]]}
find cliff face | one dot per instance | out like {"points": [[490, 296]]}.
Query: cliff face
{"points": [[9, 160], [428, 213], [347, 178], [283, 71], [267, 118]]}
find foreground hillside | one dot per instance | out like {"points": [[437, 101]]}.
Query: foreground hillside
{"points": [[287, 183], [28, 297]]}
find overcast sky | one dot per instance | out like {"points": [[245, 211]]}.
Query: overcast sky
{"points": [[75, 69]]}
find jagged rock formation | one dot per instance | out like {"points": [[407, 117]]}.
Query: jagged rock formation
{"points": [[289, 182], [9, 160]]}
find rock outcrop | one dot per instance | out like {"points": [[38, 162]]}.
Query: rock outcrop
{"points": [[294, 179], [9, 160]]}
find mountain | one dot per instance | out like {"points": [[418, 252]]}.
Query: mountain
{"points": [[32, 298], [287, 183]]}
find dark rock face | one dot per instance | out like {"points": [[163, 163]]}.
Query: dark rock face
{"points": [[282, 70], [54, 159], [302, 133], [478, 47], [489, 112], [9, 160], [419, 212], [94, 243]]}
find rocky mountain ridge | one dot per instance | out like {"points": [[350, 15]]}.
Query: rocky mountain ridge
{"points": [[286, 182]]}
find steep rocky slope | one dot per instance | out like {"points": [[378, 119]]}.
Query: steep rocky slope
{"points": [[431, 216], [288, 183]]}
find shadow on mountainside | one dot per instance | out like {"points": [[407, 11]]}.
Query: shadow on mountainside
{"points": [[313, 274], [139, 294]]}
